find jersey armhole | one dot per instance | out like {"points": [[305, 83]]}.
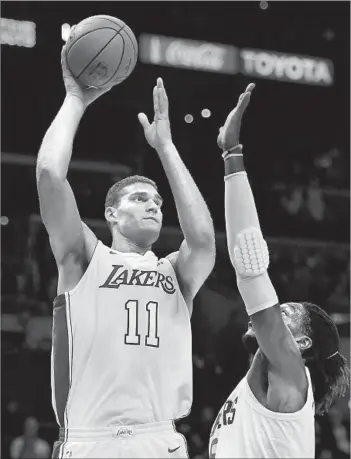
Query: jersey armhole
{"points": [[178, 286], [71, 292], [255, 405]]}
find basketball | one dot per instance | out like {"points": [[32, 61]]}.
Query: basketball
{"points": [[101, 51]]}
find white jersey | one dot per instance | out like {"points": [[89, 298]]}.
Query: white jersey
{"points": [[246, 429], [121, 350]]}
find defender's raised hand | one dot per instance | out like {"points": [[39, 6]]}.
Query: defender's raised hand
{"points": [[229, 133], [158, 134]]}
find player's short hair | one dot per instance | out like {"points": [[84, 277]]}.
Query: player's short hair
{"points": [[328, 368], [115, 193]]}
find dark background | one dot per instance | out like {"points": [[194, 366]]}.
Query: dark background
{"points": [[296, 142]]}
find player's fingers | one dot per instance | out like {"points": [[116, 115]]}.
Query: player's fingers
{"points": [[63, 54], [155, 97], [161, 87], [162, 98], [64, 65], [165, 97], [143, 120], [229, 118], [245, 101], [101, 91], [250, 87]]}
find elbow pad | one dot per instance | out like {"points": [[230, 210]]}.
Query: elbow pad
{"points": [[250, 258]]}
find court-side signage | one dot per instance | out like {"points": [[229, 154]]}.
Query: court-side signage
{"points": [[17, 33], [286, 67], [190, 54], [220, 58]]}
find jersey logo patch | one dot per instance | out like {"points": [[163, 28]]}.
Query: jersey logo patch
{"points": [[137, 277]]}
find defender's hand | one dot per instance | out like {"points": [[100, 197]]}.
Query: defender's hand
{"points": [[229, 133], [158, 134], [85, 96]]}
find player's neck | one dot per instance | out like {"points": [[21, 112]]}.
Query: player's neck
{"points": [[251, 357], [122, 244], [257, 356]]}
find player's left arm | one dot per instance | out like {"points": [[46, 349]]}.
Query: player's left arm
{"points": [[192, 267], [249, 255], [196, 257]]}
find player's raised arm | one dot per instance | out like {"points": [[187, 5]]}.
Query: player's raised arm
{"points": [[58, 208], [195, 259], [249, 255]]}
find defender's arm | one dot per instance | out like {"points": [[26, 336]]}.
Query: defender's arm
{"points": [[249, 255]]}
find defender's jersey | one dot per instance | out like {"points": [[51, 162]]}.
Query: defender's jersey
{"points": [[121, 350], [246, 429]]}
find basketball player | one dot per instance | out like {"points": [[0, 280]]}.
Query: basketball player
{"points": [[121, 354], [296, 369]]}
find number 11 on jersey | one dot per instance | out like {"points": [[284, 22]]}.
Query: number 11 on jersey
{"points": [[132, 336]]}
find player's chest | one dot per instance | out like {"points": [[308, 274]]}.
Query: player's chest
{"points": [[128, 302]]}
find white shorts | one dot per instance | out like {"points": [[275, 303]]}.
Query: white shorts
{"points": [[154, 440]]}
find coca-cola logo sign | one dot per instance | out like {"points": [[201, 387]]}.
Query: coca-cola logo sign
{"points": [[204, 56], [191, 54]]}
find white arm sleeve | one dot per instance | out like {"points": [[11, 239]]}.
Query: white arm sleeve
{"points": [[248, 250]]}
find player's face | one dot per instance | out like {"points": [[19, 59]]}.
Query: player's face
{"points": [[139, 214], [293, 315]]}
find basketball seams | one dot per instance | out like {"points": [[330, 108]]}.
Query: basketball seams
{"points": [[119, 63], [87, 33], [84, 69], [84, 35], [135, 50], [104, 18], [126, 31], [131, 39]]}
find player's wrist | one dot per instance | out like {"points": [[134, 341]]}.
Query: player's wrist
{"points": [[166, 147], [233, 160], [75, 102]]}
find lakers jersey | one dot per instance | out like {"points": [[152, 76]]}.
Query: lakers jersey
{"points": [[246, 429], [121, 351]]}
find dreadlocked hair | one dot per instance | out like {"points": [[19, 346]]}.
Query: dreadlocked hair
{"points": [[115, 193], [329, 372]]}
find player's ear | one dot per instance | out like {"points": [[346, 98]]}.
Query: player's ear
{"points": [[110, 214], [304, 342]]}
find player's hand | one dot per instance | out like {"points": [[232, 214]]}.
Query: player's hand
{"points": [[229, 133], [158, 134], [73, 89]]}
